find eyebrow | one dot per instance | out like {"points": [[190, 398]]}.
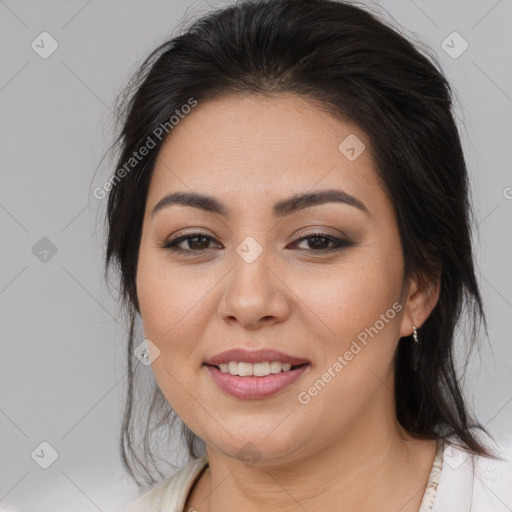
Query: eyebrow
{"points": [[280, 209]]}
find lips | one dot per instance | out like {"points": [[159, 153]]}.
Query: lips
{"points": [[254, 356], [256, 388]]}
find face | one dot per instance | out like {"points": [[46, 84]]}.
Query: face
{"points": [[322, 281]]}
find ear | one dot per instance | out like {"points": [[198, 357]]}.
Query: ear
{"points": [[420, 300]]}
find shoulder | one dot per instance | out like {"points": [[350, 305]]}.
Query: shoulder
{"points": [[474, 483], [170, 494], [493, 479]]}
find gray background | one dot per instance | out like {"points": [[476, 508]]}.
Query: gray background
{"points": [[62, 339]]}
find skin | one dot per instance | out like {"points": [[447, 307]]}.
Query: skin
{"points": [[344, 450]]}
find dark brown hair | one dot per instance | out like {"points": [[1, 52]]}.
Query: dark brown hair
{"points": [[345, 59]]}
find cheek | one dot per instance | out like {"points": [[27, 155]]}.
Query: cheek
{"points": [[357, 311], [172, 312], [172, 306], [343, 299], [358, 317], [166, 295]]}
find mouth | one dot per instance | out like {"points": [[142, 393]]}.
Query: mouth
{"points": [[254, 387], [255, 374], [227, 360], [247, 371]]}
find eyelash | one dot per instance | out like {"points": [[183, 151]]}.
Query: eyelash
{"points": [[339, 243]]}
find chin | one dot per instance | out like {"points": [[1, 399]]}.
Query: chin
{"points": [[263, 447]]}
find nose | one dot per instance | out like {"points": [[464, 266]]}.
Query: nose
{"points": [[254, 294]]}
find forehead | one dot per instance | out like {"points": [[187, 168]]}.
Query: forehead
{"points": [[246, 148]]}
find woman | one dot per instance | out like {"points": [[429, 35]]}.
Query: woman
{"points": [[290, 219]]}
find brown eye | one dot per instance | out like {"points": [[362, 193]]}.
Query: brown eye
{"points": [[319, 242], [197, 242]]}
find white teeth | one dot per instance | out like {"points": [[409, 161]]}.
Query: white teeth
{"points": [[261, 369], [275, 367], [257, 369], [245, 369]]}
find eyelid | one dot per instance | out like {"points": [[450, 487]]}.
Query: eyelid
{"points": [[322, 231], [339, 242], [304, 232]]}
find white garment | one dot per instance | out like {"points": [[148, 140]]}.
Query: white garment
{"points": [[486, 488], [471, 483]]}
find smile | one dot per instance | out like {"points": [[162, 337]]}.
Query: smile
{"points": [[241, 380]]}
